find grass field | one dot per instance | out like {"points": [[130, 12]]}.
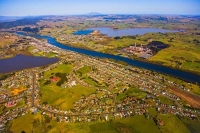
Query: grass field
{"points": [[27, 126], [58, 96], [152, 112], [62, 68], [134, 124], [166, 100], [129, 125], [132, 91], [7, 41], [137, 93], [82, 73], [192, 125], [183, 52], [83, 70], [64, 98], [172, 124]]}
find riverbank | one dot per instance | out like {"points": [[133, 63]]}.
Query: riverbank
{"points": [[137, 58], [182, 53], [189, 77]]}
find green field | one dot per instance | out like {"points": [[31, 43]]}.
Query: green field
{"points": [[132, 91], [64, 98], [165, 100], [24, 123], [137, 93], [57, 96], [134, 124], [83, 71], [62, 68], [183, 52], [130, 125], [173, 124]]}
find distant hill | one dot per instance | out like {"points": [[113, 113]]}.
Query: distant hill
{"points": [[20, 22], [9, 18], [94, 13]]}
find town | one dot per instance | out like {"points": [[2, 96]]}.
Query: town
{"points": [[104, 90]]}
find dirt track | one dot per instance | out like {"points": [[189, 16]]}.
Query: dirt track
{"points": [[191, 99]]}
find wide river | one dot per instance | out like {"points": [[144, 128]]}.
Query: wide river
{"points": [[187, 76]]}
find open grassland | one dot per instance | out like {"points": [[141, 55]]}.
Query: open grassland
{"points": [[192, 125], [64, 98], [134, 124], [183, 52], [58, 96], [172, 124], [62, 68], [7, 39], [82, 73], [166, 100], [152, 112], [133, 91], [24, 123]]}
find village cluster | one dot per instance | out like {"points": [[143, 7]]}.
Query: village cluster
{"points": [[83, 39]]}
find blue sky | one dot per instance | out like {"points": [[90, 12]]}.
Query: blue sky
{"points": [[65, 7]]}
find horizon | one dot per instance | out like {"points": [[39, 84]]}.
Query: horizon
{"points": [[80, 7], [88, 14]]}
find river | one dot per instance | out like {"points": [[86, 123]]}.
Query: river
{"points": [[187, 76]]}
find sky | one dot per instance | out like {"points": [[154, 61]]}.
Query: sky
{"points": [[71, 7]]}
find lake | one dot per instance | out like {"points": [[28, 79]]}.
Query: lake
{"points": [[83, 32], [20, 62], [122, 32], [187, 76]]}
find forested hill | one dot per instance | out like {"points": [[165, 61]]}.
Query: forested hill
{"points": [[20, 22]]}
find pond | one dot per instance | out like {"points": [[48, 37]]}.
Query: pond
{"points": [[20, 62]]}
